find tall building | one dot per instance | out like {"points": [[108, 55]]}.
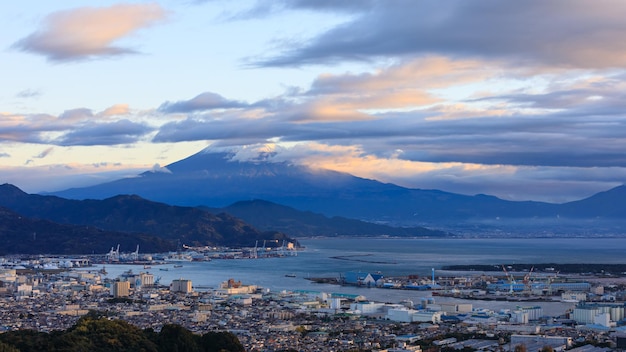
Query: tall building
{"points": [[120, 289], [181, 285]]}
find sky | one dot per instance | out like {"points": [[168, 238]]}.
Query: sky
{"points": [[524, 100]]}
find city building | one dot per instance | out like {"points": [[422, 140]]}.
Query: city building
{"points": [[181, 285], [597, 313], [120, 289]]}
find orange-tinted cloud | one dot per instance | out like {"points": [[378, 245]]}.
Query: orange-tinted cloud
{"points": [[90, 32], [115, 110], [407, 85]]}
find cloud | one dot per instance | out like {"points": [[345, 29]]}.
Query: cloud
{"points": [[204, 101], [566, 33], [88, 32], [162, 169], [26, 128], [574, 123], [330, 5], [118, 132], [267, 8], [116, 110], [44, 153], [73, 127], [406, 85], [49, 178], [335, 98], [29, 93], [415, 75], [551, 184], [74, 115], [590, 97]]}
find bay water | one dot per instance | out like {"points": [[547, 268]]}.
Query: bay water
{"points": [[332, 257]]}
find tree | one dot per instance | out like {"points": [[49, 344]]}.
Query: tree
{"points": [[7, 348], [96, 334], [104, 335], [221, 342], [27, 340], [520, 348], [176, 338]]}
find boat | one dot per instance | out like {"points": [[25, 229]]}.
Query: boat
{"points": [[290, 275], [164, 269], [178, 266]]}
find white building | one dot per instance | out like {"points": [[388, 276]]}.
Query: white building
{"points": [[403, 315], [603, 319], [534, 312], [573, 296], [586, 313], [335, 303], [232, 287], [519, 317], [410, 315], [455, 308], [367, 307]]}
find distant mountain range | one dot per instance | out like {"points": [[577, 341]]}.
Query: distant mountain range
{"points": [[271, 216], [50, 224], [216, 180]]}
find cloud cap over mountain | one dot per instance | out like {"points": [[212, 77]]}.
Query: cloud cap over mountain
{"points": [[523, 100]]}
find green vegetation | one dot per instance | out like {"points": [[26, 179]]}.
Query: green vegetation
{"points": [[96, 334]]}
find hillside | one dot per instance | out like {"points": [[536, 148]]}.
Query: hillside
{"points": [[22, 235], [133, 214], [270, 216]]}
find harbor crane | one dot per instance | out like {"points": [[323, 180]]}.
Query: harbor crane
{"points": [[254, 253], [526, 280], [135, 255], [114, 254], [511, 279]]}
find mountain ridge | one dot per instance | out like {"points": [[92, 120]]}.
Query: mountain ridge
{"points": [[271, 216], [23, 235], [134, 214], [217, 180]]}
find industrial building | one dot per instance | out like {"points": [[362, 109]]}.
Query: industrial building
{"points": [[603, 314], [363, 278], [410, 315]]}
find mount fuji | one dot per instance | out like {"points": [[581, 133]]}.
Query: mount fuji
{"points": [[218, 179]]}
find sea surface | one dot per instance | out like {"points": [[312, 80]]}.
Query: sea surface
{"points": [[332, 257]]}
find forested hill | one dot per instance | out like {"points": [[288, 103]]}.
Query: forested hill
{"points": [[133, 214], [23, 235], [102, 334]]}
